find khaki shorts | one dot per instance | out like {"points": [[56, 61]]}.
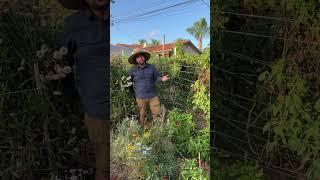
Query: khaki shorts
{"points": [[153, 104]]}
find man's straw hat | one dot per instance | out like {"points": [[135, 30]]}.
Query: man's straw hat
{"points": [[136, 52]]}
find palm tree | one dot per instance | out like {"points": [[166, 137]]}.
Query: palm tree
{"points": [[155, 42], [199, 30], [142, 41]]}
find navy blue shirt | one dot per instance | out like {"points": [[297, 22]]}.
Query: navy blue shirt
{"points": [[144, 81], [90, 35]]}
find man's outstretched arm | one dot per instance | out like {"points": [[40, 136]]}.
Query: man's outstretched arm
{"points": [[158, 77]]}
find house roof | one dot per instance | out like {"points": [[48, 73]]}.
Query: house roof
{"points": [[133, 46], [158, 48], [170, 47]]}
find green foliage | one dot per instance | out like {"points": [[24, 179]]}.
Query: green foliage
{"points": [[122, 101], [149, 155], [191, 170], [164, 163], [142, 41], [236, 170], [295, 116], [199, 30], [167, 141], [155, 42], [200, 144], [201, 98], [180, 128], [179, 50]]}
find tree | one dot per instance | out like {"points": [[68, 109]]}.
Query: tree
{"points": [[180, 39], [155, 42], [199, 30], [142, 41]]}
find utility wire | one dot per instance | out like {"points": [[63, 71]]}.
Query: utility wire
{"points": [[153, 11]]}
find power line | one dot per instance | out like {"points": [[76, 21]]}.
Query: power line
{"points": [[154, 4], [153, 11], [205, 3], [153, 15]]}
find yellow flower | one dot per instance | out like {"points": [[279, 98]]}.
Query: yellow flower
{"points": [[146, 134], [130, 147]]}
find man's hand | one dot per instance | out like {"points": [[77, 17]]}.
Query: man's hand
{"points": [[165, 78]]}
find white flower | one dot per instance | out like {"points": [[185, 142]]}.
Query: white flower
{"points": [[138, 144], [123, 77], [67, 69], [57, 55], [128, 78], [63, 51], [55, 77], [20, 68], [57, 93], [148, 148], [44, 49], [144, 152], [58, 69], [40, 54]]}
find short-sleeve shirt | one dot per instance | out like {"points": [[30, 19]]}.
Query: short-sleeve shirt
{"points": [[90, 35], [144, 81]]}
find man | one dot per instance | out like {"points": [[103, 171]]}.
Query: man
{"points": [[144, 77], [86, 34]]}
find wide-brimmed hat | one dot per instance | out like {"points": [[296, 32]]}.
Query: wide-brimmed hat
{"points": [[136, 52], [71, 4]]}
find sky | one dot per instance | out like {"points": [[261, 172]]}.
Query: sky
{"points": [[171, 22]]}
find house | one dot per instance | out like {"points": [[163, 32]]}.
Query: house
{"points": [[169, 49], [120, 50]]}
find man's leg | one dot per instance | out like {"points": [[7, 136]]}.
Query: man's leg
{"points": [[155, 108], [97, 131], [142, 110]]}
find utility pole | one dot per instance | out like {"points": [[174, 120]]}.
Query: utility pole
{"points": [[163, 45]]}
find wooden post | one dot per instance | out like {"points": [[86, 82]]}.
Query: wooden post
{"points": [[163, 45]]}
